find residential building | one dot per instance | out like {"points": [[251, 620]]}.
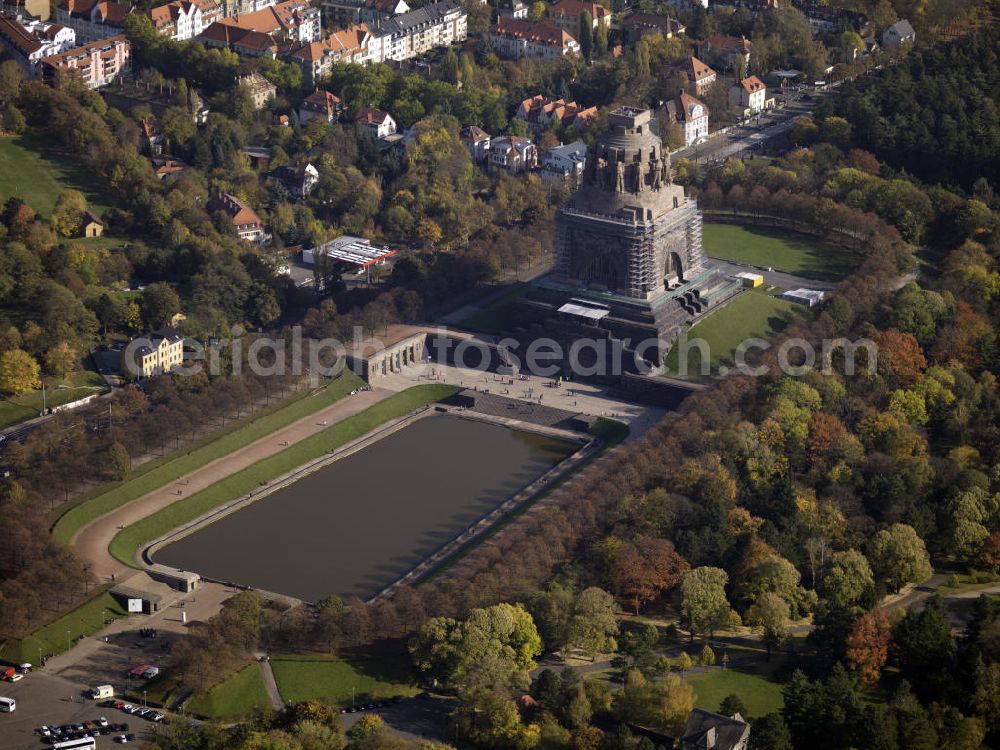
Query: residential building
{"points": [[898, 34], [299, 177], [29, 42], [344, 13], [477, 141], [726, 51], [211, 11], [748, 96], [691, 115], [828, 18], [260, 89], [180, 20], [92, 19], [151, 138], [291, 20], [513, 39], [698, 74], [91, 225], [320, 104], [26, 9], [246, 221], [638, 25], [98, 63], [376, 123], [167, 168], [566, 15], [512, 153], [539, 112], [417, 32], [242, 41], [705, 730], [512, 9], [565, 162], [155, 353], [244, 7], [316, 58]]}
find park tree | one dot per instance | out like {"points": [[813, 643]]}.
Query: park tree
{"points": [[68, 212], [704, 606], [19, 372], [733, 704], [593, 626], [366, 727], [923, 648], [159, 304], [847, 579], [586, 35], [990, 553], [868, 646], [771, 733], [60, 359], [552, 609], [119, 461], [770, 613], [647, 568], [899, 556]]}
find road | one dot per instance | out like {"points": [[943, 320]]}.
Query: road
{"points": [[774, 278]]}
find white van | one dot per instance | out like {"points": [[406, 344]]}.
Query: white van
{"points": [[7, 704], [102, 691]]}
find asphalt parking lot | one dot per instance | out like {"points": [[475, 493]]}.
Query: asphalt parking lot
{"points": [[50, 699]]}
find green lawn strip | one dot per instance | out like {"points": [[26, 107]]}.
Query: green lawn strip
{"points": [[752, 314], [611, 431], [125, 543], [233, 697], [36, 171], [156, 474], [782, 250], [494, 317], [73, 387], [55, 637], [759, 695], [302, 678]]}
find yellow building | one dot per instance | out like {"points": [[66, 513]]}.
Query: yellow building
{"points": [[156, 353]]}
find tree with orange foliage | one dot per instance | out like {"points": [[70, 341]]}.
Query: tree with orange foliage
{"points": [[647, 568], [900, 358], [991, 551], [868, 645], [964, 339], [826, 435]]}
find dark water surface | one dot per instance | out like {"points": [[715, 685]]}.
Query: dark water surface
{"points": [[360, 523]]}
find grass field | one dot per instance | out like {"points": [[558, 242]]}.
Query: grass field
{"points": [[760, 695], [54, 638], [34, 170], [753, 314], [156, 474], [233, 697], [74, 386], [494, 317], [332, 680], [784, 251], [125, 543]]}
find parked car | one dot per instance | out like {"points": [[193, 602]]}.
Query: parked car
{"points": [[121, 738]]}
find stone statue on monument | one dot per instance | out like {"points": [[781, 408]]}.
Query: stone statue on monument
{"points": [[619, 177]]}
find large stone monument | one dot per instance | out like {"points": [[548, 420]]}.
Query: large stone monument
{"points": [[629, 262]]}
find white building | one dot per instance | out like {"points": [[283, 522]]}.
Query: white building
{"points": [[898, 34], [477, 141], [28, 43], [565, 162], [512, 153], [692, 117], [417, 32], [180, 20], [514, 38], [92, 20], [377, 124], [749, 96]]}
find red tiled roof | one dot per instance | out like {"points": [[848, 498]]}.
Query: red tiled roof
{"points": [[695, 69], [539, 33], [368, 115], [752, 84], [18, 36]]}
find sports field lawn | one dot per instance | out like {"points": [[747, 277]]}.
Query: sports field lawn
{"points": [[74, 386], [376, 678], [760, 696], [234, 696], [125, 543], [36, 171], [54, 638], [798, 254], [753, 314], [158, 473]]}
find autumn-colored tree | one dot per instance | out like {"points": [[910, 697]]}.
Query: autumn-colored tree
{"points": [[826, 437], [965, 338], [900, 357], [19, 372], [991, 551], [647, 568], [868, 645]]}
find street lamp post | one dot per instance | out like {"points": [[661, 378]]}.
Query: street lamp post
{"points": [[144, 699], [68, 644]]}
